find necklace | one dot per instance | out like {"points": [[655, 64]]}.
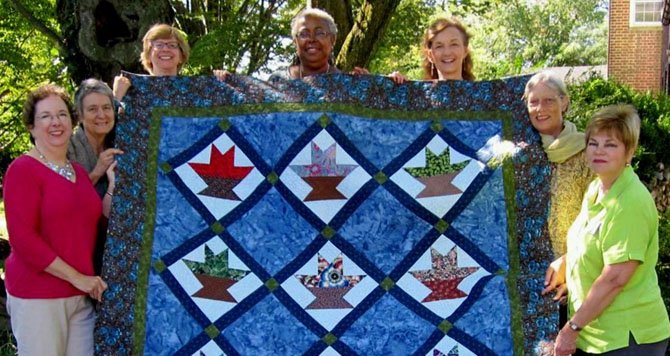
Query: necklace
{"points": [[65, 171], [300, 69]]}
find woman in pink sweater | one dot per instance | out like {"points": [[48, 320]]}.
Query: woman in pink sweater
{"points": [[52, 213]]}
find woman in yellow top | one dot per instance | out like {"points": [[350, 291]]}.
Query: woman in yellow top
{"points": [[547, 100], [614, 301]]}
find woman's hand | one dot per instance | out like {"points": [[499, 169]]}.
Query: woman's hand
{"points": [[566, 342], [111, 177], [120, 87], [398, 77], [554, 279], [359, 71], [106, 158], [107, 198], [221, 74], [93, 285]]}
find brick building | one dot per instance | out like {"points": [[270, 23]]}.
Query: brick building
{"points": [[638, 43], [665, 20]]}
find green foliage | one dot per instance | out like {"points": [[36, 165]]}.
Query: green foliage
{"points": [[517, 36], [508, 37], [400, 49], [654, 110], [664, 246], [27, 59], [240, 38], [7, 343]]}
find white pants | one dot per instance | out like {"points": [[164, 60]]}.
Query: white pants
{"points": [[52, 327]]}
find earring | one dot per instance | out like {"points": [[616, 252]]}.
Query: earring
{"points": [[432, 70]]}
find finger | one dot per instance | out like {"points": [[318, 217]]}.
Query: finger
{"points": [[561, 292], [548, 275], [548, 290]]}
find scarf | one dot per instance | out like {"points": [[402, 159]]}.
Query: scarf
{"points": [[567, 144]]}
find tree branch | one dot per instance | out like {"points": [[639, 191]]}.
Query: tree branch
{"points": [[37, 24]]}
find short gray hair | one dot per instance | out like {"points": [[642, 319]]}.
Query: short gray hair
{"points": [[89, 86], [549, 79], [315, 13]]}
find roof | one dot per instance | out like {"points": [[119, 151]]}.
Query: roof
{"points": [[578, 73]]}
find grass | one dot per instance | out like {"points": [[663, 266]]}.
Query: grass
{"points": [[7, 347]]}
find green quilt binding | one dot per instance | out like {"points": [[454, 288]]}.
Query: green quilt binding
{"points": [[513, 246]]}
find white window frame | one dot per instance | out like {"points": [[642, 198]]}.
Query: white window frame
{"points": [[633, 23]]}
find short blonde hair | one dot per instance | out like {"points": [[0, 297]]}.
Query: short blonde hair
{"points": [[621, 121], [164, 32]]}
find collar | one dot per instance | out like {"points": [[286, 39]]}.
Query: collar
{"points": [[619, 186]]}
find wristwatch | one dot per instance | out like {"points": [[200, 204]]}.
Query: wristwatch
{"points": [[573, 326]]}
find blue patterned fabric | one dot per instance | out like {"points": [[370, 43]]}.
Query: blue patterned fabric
{"points": [[336, 215]]}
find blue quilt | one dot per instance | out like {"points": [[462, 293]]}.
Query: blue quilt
{"points": [[336, 215]]}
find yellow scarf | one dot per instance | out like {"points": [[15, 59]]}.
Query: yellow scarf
{"points": [[567, 144]]}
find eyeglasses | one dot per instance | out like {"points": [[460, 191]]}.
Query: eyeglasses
{"points": [[161, 45], [318, 34], [63, 115]]}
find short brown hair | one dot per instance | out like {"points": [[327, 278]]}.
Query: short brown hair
{"points": [[436, 27], [40, 94], [164, 32], [621, 121]]}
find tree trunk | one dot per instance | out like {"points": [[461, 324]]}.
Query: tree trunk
{"points": [[369, 26], [101, 37], [342, 13]]}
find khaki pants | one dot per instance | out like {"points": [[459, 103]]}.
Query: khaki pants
{"points": [[58, 327]]}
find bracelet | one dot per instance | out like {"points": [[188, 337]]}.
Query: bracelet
{"points": [[572, 325], [110, 194]]}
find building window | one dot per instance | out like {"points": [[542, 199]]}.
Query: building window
{"points": [[646, 12]]}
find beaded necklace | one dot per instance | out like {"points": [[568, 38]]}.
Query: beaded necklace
{"points": [[65, 171]]}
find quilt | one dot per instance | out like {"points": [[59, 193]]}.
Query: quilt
{"points": [[335, 215]]}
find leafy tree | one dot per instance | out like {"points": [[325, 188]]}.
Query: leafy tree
{"points": [[400, 49], [240, 36], [517, 36], [654, 111], [27, 58]]}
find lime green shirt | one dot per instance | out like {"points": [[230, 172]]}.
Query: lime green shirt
{"points": [[622, 227]]}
